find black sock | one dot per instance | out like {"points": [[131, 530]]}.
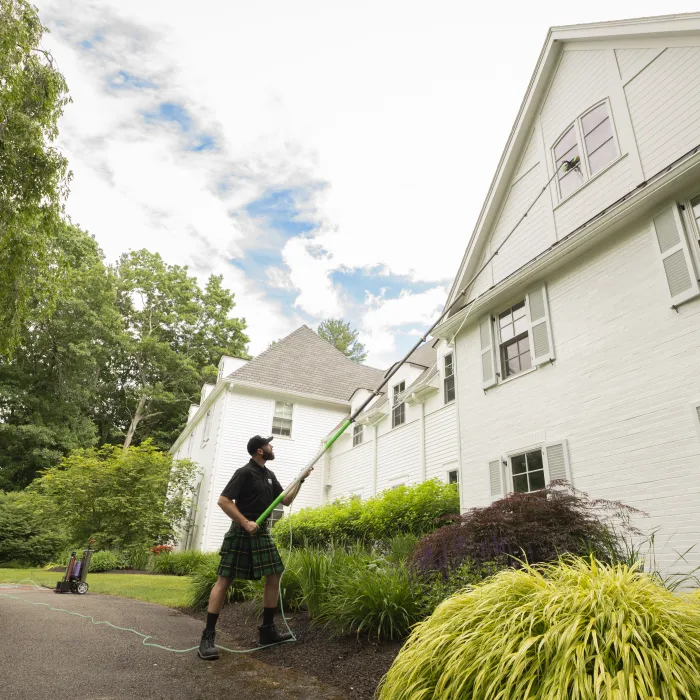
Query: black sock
{"points": [[211, 621], [268, 615]]}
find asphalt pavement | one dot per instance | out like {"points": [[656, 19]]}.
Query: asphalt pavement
{"points": [[48, 655]]}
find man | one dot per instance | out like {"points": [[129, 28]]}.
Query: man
{"points": [[248, 551]]}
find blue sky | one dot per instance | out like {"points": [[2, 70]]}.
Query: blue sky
{"points": [[327, 159]]}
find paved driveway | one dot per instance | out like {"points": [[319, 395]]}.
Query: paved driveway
{"points": [[48, 655]]}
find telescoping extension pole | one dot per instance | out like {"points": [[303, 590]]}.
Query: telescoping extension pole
{"points": [[567, 165]]}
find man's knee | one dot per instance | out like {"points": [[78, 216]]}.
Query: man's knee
{"points": [[223, 582]]}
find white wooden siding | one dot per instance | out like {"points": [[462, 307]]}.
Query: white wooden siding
{"points": [[595, 195], [625, 374], [664, 103], [351, 471], [441, 446], [530, 156], [631, 61], [581, 80], [398, 453]]}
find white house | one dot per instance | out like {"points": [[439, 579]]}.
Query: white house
{"points": [[577, 350], [297, 390]]}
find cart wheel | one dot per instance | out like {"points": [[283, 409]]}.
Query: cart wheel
{"points": [[73, 587], [82, 587]]}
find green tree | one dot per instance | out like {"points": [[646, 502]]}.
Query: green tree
{"points": [[56, 389], [176, 333], [341, 336], [119, 497], [33, 173]]}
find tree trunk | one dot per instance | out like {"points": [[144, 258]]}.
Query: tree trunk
{"points": [[135, 420]]}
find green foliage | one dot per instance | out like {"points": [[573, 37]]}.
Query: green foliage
{"points": [[34, 173], [342, 337], [26, 538], [121, 498], [575, 629], [404, 510], [104, 561], [375, 599], [176, 333], [55, 391], [180, 563], [137, 557], [203, 580]]}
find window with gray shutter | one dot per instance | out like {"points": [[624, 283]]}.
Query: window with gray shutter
{"points": [[672, 245], [557, 457]]}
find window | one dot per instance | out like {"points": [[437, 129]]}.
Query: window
{"points": [[276, 515], [594, 130], [398, 412], [695, 213], [528, 471], [207, 428], [453, 477], [357, 434], [282, 421], [449, 381], [514, 340]]}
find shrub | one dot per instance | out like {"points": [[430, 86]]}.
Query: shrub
{"points": [[179, 563], [374, 599], [204, 578], [536, 527], [102, 561], [137, 557], [416, 510], [575, 629]]}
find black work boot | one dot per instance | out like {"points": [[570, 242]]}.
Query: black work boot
{"points": [[207, 648], [269, 635]]}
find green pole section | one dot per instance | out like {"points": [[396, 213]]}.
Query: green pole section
{"points": [[344, 426]]}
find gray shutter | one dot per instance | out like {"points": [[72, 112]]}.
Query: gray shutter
{"points": [[541, 344], [496, 478], [557, 461], [696, 416], [672, 244], [488, 364]]}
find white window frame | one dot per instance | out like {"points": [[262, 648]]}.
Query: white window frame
{"points": [[207, 428], [500, 342], [276, 417], [584, 165], [517, 453], [395, 406], [358, 434], [693, 229], [452, 471], [450, 376]]}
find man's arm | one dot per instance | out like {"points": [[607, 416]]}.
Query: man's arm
{"points": [[287, 500], [230, 508]]}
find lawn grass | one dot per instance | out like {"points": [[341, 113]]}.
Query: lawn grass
{"points": [[170, 591]]}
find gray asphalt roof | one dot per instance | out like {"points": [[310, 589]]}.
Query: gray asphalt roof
{"points": [[304, 362]]}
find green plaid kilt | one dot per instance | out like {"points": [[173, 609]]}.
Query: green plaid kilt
{"points": [[249, 557]]}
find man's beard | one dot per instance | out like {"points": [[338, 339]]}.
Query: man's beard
{"points": [[268, 457]]}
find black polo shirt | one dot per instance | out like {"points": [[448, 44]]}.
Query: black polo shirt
{"points": [[253, 488]]}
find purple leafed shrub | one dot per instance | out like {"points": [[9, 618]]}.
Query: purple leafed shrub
{"points": [[536, 527]]}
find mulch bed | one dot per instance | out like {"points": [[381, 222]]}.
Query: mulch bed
{"points": [[354, 665]]}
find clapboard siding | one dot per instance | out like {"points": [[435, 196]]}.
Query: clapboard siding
{"points": [[248, 414], [620, 391], [441, 447], [351, 472], [398, 453], [597, 194], [532, 235], [581, 80], [531, 156], [664, 103], [630, 61]]}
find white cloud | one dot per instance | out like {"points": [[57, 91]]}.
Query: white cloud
{"points": [[387, 315], [391, 117]]}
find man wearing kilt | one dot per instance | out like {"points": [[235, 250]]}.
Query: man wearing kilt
{"points": [[248, 551]]}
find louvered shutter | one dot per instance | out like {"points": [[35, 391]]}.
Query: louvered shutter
{"points": [[696, 416], [557, 461], [541, 344], [488, 363], [496, 481], [672, 244]]}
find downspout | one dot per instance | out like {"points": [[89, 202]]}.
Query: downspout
{"points": [[423, 471], [455, 361], [374, 459]]}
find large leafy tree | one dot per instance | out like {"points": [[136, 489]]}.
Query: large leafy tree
{"points": [[340, 334], [54, 387], [176, 333], [33, 173]]}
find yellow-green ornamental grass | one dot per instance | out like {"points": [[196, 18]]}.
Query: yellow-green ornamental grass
{"points": [[572, 630]]}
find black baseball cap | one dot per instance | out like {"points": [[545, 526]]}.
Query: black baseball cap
{"points": [[256, 442]]}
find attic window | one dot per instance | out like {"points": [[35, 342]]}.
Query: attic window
{"points": [[357, 434], [593, 129], [398, 412], [282, 421]]}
